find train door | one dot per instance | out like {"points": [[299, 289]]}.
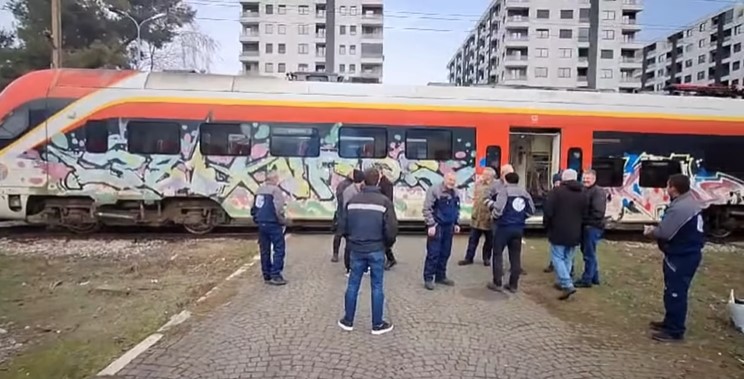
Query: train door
{"points": [[535, 156]]}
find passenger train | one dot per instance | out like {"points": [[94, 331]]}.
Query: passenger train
{"points": [[85, 148]]}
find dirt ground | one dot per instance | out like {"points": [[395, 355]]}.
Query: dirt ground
{"points": [[631, 295], [69, 308]]}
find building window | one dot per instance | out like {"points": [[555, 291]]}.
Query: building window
{"points": [[689, 47], [282, 48], [688, 79], [303, 29], [541, 52], [702, 27], [352, 30], [294, 142], [282, 67], [701, 75], [584, 14], [342, 68], [352, 68], [429, 144], [225, 139], [342, 10], [541, 72], [688, 63], [269, 9], [565, 33], [576, 160], [688, 33], [302, 67], [269, 68], [353, 10], [96, 136], [566, 52], [342, 50], [738, 29], [566, 14], [269, 28], [362, 142], [610, 171], [342, 30], [606, 74], [608, 34], [655, 174], [303, 9], [154, 137], [281, 29], [543, 33], [701, 43], [737, 47], [281, 9], [735, 66], [607, 54], [302, 48], [564, 72], [543, 13], [608, 15], [269, 48], [352, 49], [701, 58]]}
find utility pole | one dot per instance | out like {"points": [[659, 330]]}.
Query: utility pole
{"points": [[56, 34], [138, 26]]}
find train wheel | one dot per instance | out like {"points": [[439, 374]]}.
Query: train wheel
{"points": [[83, 228], [720, 233], [199, 229]]}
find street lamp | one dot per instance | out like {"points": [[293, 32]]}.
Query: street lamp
{"points": [[138, 25]]}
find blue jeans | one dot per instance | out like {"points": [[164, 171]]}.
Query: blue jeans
{"points": [[271, 235], [562, 257], [589, 242], [359, 263]]}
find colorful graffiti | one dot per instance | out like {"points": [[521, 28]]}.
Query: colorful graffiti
{"points": [[633, 203], [65, 168]]}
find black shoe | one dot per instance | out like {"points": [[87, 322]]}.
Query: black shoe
{"points": [[446, 282], [494, 287], [390, 264], [334, 258], [278, 281], [429, 285], [596, 283], [580, 284], [382, 328], [346, 325], [487, 262], [522, 272], [657, 326], [510, 288], [567, 294], [267, 280], [464, 262], [548, 269], [666, 337]]}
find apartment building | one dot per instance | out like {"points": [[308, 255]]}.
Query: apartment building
{"points": [[708, 51], [553, 43], [333, 36]]}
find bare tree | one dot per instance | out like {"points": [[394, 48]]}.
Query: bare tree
{"points": [[191, 49]]}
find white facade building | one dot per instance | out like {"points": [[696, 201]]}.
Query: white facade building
{"points": [[333, 36]]}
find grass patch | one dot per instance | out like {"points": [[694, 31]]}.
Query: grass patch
{"points": [[631, 295], [73, 315]]}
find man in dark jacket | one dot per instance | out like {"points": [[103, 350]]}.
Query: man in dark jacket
{"points": [[387, 189], [556, 183], [355, 176], [594, 222], [268, 213], [369, 225], [563, 214], [681, 238]]}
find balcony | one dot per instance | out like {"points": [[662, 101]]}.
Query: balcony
{"points": [[249, 17], [249, 35], [630, 23], [630, 82], [517, 4], [517, 19], [631, 62], [249, 55], [633, 5], [516, 40], [519, 78]]}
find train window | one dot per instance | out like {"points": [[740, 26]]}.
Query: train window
{"points": [[362, 142], [429, 144], [13, 125], [609, 171], [154, 137], [575, 159], [225, 139], [655, 174], [493, 158], [294, 142], [96, 136]]}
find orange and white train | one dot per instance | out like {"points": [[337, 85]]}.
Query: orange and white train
{"points": [[84, 148]]}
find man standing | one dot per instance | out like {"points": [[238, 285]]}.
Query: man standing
{"points": [[556, 183], [480, 220], [268, 213], [370, 225], [387, 189], [594, 220], [512, 208], [681, 238], [442, 215], [563, 215], [348, 180], [350, 191]]}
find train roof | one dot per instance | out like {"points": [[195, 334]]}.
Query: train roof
{"points": [[537, 100]]}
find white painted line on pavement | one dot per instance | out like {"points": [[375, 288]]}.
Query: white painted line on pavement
{"points": [[129, 356]]}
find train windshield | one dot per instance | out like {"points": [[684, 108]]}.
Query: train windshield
{"points": [[12, 124]]}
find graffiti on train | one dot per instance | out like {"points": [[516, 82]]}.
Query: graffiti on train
{"points": [[636, 203], [65, 167]]}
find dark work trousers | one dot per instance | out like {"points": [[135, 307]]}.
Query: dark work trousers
{"points": [[438, 251], [678, 273], [511, 238], [347, 256], [336, 244], [475, 235], [389, 256], [271, 236]]}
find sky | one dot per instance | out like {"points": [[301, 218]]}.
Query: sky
{"points": [[422, 35]]}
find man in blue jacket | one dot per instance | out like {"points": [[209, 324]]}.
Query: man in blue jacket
{"points": [[511, 209], [681, 238], [268, 213], [441, 214], [369, 225]]}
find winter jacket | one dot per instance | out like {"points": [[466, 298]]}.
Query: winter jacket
{"points": [[480, 217], [368, 222], [596, 206], [386, 187], [268, 206], [512, 207], [441, 206], [681, 231], [563, 213]]}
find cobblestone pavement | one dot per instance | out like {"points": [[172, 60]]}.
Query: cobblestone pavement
{"points": [[465, 331]]}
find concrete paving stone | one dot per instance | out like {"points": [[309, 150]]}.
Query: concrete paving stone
{"points": [[452, 332]]}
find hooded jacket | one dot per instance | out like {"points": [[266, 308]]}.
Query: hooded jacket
{"points": [[563, 213]]}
